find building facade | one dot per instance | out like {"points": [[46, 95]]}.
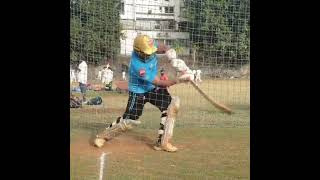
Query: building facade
{"points": [[159, 19]]}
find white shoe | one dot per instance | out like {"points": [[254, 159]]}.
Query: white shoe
{"points": [[168, 147], [131, 123], [99, 142]]}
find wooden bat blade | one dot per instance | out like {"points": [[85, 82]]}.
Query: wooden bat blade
{"points": [[214, 103]]}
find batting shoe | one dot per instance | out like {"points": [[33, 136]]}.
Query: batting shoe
{"points": [[168, 147]]}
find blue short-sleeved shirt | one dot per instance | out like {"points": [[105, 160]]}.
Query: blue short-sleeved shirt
{"points": [[142, 74]]}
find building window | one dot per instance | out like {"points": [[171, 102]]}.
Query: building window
{"points": [[168, 25], [171, 9], [171, 25], [166, 0], [149, 11], [169, 42], [168, 9], [157, 25]]}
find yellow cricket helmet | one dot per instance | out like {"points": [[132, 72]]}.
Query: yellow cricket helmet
{"points": [[144, 44]]}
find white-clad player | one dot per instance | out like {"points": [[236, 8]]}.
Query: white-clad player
{"points": [[124, 75], [198, 76], [194, 74], [72, 76], [100, 75]]}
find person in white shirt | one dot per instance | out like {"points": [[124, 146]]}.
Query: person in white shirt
{"points": [[100, 75], [107, 78], [72, 76], [82, 79], [124, 75], [194, 74], [198, 76], [104, 75], [109, 75]]}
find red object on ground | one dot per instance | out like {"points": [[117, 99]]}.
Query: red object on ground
{"points": [[122, 86]]}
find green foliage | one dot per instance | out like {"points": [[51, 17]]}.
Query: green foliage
{"points": [[178, 47], [220, 28], [94, 30]]}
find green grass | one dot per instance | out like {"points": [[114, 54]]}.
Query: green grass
{"points": [[213, 145]]}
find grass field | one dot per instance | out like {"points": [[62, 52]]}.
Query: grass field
{"points": [[212, 145]]}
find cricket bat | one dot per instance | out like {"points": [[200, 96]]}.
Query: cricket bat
{"points": [[214, 103]]}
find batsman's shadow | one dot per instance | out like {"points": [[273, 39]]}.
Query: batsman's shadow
{"points": [[142, 138]]}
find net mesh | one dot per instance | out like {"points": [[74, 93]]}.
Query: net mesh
{"points": [[211, 36]]}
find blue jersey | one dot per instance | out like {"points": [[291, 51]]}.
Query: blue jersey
{"points": [[142, 74]]}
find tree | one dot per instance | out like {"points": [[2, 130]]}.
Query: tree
{"points": [[177, 47], [220, 29], [94, 30]]}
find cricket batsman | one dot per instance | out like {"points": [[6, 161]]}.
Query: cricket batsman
{"points": [[144, 88]]}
